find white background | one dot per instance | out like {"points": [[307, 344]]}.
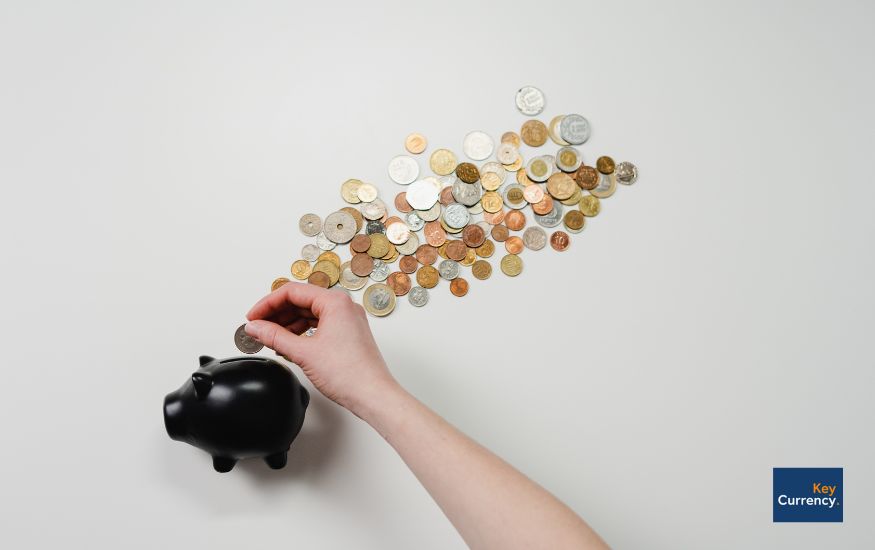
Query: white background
{"points": [[715, 321]]}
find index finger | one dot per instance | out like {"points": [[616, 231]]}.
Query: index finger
{"points": [[302, 295]]}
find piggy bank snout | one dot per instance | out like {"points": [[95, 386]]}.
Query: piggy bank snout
{"points": [[174, 416]]}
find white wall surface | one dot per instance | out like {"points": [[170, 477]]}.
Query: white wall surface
{"points": [[715, 321]]}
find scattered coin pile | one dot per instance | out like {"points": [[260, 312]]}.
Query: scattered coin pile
{"points": [[456, 209]]}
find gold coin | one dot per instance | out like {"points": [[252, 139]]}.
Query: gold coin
{"points": [[442, 162], [574, 220], [470, 258], [553, 130], [486, 249], [415, 143], [522, 178], [605, 165], [459, 286], [427, 276], [379, 299], [511, 265], [327, 267], [490, 181], [467, 172], [590, 206], [349, 191], [491, 201], [516, 165], [561, 185], [356, 215], [319, 278], [481, 270], [574, 198], [586, 177], [567, 157], [367, 192], [379, 245], [301, 269], [280, 281], [539, 168], [534, 133], [511, 137], [442, 250], [330, 256]]}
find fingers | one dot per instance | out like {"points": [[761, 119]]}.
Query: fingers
{"points": [[277, 338], [301, 295]]}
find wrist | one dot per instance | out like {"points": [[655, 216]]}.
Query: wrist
{"points": [[378, 401]]}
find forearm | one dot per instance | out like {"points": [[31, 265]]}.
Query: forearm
{"points": [[490, 503]]}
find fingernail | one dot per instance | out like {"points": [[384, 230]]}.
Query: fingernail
{"points": [[251, 329]]}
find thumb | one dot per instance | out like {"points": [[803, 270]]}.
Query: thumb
{"points": [[289, 345]]}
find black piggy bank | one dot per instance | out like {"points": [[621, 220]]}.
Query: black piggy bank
{"points": [[236, 408]]}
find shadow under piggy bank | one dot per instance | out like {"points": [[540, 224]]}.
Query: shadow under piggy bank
{"points": [[241, 407]]}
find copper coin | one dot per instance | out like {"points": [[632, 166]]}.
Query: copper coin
{"points": [[459, 286], [544, 207], [399, 283], [415, 143], [361, 264], [494, 218], [280, 281], [511, 137], [426, 254], [427, 276], [434, 233], [574, 220], [473, 235], [467, 172], [446, 197], [481, 269], [605, 165], [514, 245], [534, 133], [408, 264], [392, 219], [515, 220], [319, 278], [560, 240], [587, 177], [401, 203], [360, 243], [456, 250], [356, 215], [500, 233]]}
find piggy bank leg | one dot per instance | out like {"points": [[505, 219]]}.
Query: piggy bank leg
{"points": [[223, 463], [276, 460]]}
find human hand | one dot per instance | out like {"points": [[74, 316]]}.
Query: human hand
{"points": [[341, 359]]}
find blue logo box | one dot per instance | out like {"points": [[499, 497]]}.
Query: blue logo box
{"points": [[807, 495]]}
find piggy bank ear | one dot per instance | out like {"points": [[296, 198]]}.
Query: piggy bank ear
{"points": [[203, 383], [205, 359]]}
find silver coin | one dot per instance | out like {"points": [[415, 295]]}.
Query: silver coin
{"points": [[606, 187], [466, 193], [380, 298], [246, 343], [431, 214], [397, 232], [478, 145], [456, 216], [447, 181], [538, 173], [403, 170], [448, 269], [552, 218], [324, 242], [567, 153], [366, 192], [485, 226], [422, 194], [530, 100], [413, 221], [374, 210], [381, 271], [534, 238], [309, 332], [476, 209], [340, 227], [574, 129], [509, 203], [350, 280], [627, 173], [506, 154], [418, 296], [496, 168], [410, 246], [374, 226], [310, 225], [310, 252]]}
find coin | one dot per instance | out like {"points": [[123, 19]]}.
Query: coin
{"points": [[490, 181], [456, 250], [448, 269], [606, 187], [500, 233], [349, 191], [551, 218], [427, 276], [511, 265], [494, 218], [459, 286], [408, 264], [442, 162], [515, 220], [560, 241], [329, 268], [280, 281], [246, 343], [422, 194], [507, 153], [399, 282], [511, 137], [350, 280], [426, 254], [374, 226], [381, 271], [516, 165], [374, 209], [403, 170], [544, 206], [534, 133], [366, 192], [589, 205], [568, 159], [574, 129], [478, 145], [574, 221], [466, 193], [481, 270], [467, 172], [456, 216], [360, 243], [530, 100], [301, 269], [473, 235], [401, 203], [361, 264], [586, 177], [533, 194], [339, 227], [319, 278], [514, 244], [434, 234], [522, 178], [627, 173], [414, 221], [539, 169], [310, 225], [486, 249], [415, 143], [310, 252], [534, 238], [324, 243], [561, 186], [330, 256], [553, 130], [357, 215], [379, 300], [409, 247], [379, 245], [491, 201], [417, 296], [429, 215], [605, 165], [513, 196], [397, 232]]}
